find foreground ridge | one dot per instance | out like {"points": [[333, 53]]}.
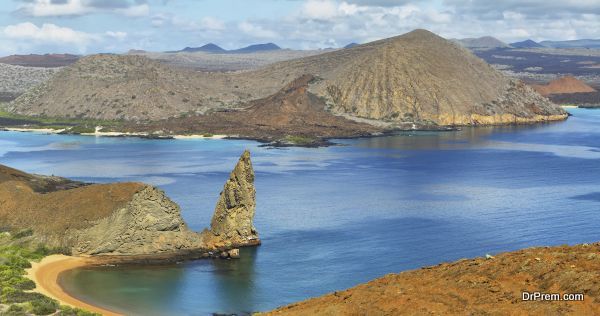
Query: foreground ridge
{"points": [[475, 286]]}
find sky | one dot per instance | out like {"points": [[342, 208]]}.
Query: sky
{"points": [[92, 26]]}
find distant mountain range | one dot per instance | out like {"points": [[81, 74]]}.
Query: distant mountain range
{"points": [[481, 42], [492, 42], [581, 43], [351, 45], [526, 44], [216, 49]]}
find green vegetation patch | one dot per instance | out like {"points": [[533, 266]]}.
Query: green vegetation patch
{"points": [[299, 140], [16, 289], [75, 125]]}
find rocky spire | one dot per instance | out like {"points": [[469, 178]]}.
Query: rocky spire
{"points": [[234, 213]]}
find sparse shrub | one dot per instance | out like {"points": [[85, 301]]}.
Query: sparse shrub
{"points": [[44, 306], [23, 233], [70, 311], [15, 310]]}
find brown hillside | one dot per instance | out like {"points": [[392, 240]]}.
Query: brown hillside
{"points": [[567, 84], [120, 87], [474, 287], [292, 111], [418, 77], [34, 60]]}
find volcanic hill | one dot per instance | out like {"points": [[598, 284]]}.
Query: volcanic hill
{"points": [[567, 84], [130, 221], [417, 77], [114, 87], [492, 286]]}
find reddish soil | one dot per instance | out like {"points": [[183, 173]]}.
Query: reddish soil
{"points": [[293, 111], [474, 287], [568, 84], [50, 204]]}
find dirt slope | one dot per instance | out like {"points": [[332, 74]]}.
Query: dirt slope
{"points": [[474, 287], [292, 111], [567, 84]]}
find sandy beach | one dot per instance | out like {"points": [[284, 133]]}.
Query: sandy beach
{"points": [[35, 130], [98, 133], [199, 137], [45, 275]]}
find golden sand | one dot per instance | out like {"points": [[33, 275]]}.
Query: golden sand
{"points": [[45, 274]]}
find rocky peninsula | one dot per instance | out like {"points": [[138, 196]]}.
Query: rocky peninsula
{"points": [[124, 222]]}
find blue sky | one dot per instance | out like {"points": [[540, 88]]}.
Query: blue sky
{"points": [[90, 26]]}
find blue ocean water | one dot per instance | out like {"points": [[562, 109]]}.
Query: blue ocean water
{"points": [[331, 218]]}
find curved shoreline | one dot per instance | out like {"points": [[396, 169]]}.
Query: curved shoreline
{"points": [[46, 274]]}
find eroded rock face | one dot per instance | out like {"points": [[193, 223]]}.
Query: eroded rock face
{"points": [[149, 224], [234, 213]]}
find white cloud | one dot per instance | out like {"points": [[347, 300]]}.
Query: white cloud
{"points": [[256, 30], [212, 24], [116, 35], [48, 8], [40, 8], [205, 24], [311, 24], [320, 9], [28, 37], [346, 21], [49, 33], [134, 11]]}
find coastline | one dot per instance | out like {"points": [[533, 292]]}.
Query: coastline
{"points": [[109, 134], [46, 273]]}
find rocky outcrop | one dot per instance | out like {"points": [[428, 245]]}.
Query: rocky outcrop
{"points": [[149, 224], [234, 214], [124, 220]]}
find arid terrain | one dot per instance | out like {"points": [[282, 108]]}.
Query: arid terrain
{"points": [[44, 61], [541, 65], [14, 80], [567, 84], [416, 78], [481, 286], [291, 116]]}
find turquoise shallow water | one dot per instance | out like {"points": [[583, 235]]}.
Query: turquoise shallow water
{"points": [[331, 218]]}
